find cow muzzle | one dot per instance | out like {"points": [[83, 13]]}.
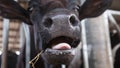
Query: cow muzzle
{"points": [[60, 50]]}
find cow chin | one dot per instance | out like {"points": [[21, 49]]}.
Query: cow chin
{"points": [[60, 50], [58, 56]]}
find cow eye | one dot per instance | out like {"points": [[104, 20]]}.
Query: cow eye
{"points": [[76, 8]]}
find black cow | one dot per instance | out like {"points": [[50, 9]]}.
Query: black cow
{"points": [[55, 26]]}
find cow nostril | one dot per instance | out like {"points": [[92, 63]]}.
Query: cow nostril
{"points": [[73, 20], [48, 22]]}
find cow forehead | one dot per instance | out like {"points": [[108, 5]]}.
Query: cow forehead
{"points": [[47, 1]]}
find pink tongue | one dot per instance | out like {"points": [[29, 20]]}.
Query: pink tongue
{"points": [[62, 46]]}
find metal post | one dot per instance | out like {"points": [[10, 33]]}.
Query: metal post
{"points": [[5, 42], [76, 62], [27, 36], [113, 21], [98, 42], [22, 36], [85, 48]]}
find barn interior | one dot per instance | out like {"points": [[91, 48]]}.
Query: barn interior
{"points": [[15, 34]]}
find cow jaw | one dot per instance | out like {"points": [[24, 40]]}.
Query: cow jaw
{"points": [[61, 50]]}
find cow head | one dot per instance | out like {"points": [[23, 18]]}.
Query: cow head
{"points": [[56, 24]]}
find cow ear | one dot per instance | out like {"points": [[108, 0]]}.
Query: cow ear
{"points": [[93, 8], [12, 10]]}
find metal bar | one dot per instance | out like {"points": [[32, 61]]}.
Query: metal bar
{"points": [[107, 35], [11, 29], [11, 36], [114, 12], [76, 62], [82, 2], [85, 48], [63, 66], [98, 42], [12, 42], [114, 51], [22, 36], [27, 36], [113, 22], [5, 42]]}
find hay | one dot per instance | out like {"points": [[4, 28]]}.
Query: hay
{"points": [[35, 59]]}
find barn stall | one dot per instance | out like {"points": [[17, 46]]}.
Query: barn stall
{"points": [[97, 51]]}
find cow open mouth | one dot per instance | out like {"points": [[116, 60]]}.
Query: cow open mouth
{"points": [[60, 50], [63, 43]]}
